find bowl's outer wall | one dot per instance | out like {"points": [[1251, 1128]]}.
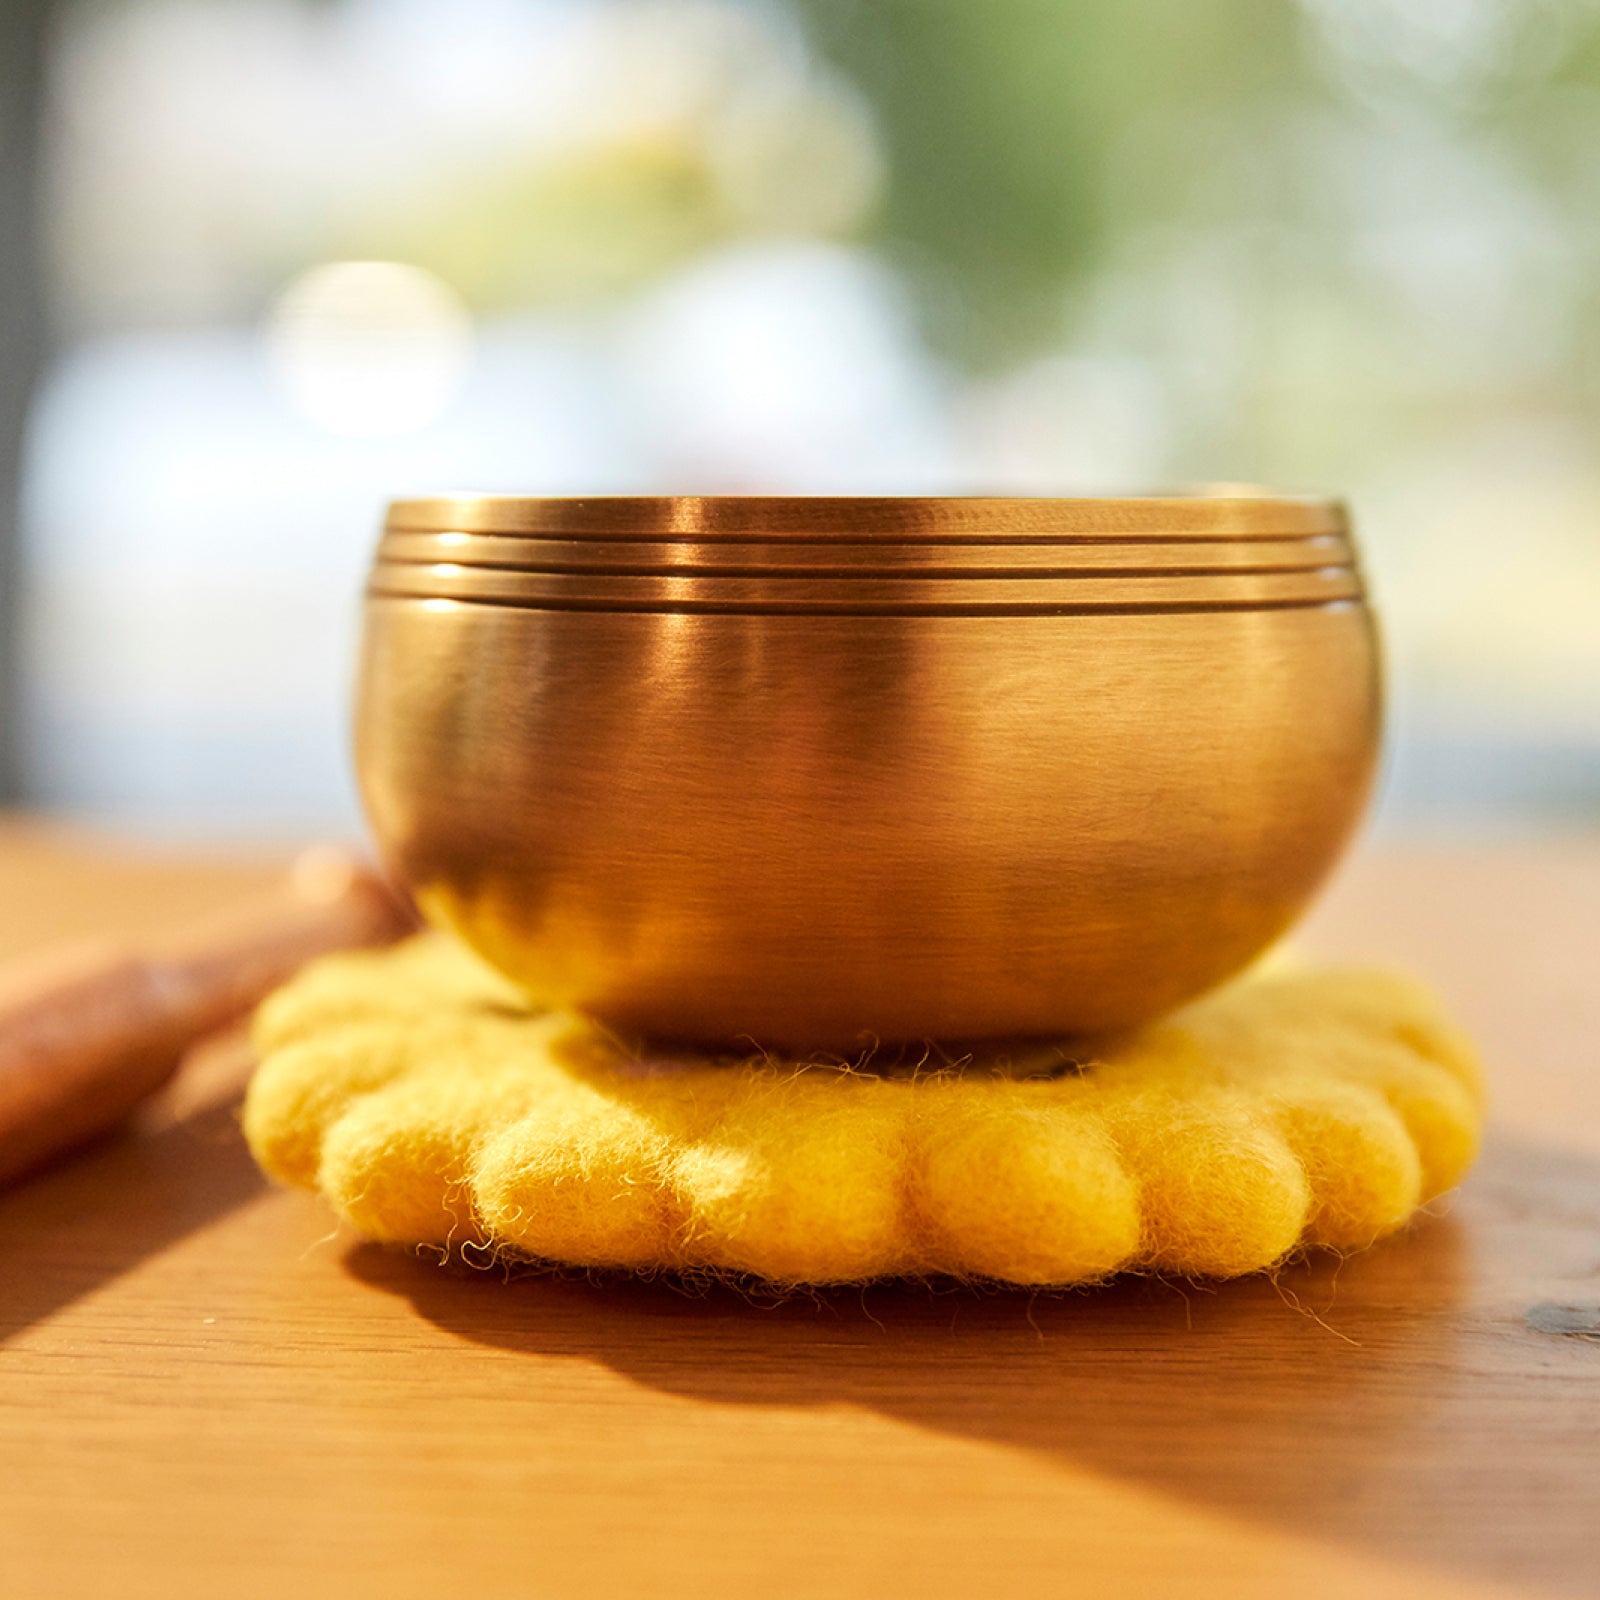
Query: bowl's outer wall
{"points": [[806, 829]]}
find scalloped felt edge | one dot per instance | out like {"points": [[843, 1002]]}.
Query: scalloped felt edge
{"points": [[416, 1091]]}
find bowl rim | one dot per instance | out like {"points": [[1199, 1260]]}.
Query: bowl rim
{"points": [[864, 518]]}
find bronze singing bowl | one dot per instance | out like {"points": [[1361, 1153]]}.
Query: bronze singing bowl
{"points": [[804, 829], [831, 558]]}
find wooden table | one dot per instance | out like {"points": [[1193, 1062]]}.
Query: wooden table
{"points": [[206, 1389]]}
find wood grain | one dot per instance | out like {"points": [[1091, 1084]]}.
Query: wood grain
{"points": [[202, 1388]]}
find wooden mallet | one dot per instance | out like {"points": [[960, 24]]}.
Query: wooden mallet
{"points": [[90, 1030]]}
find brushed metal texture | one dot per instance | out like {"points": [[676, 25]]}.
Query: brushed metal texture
{"points": [[1220, 515], [835, 558], [804, 830], [878, 595]]}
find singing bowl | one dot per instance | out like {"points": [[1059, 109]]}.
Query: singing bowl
{"points": [[806, 831], [772, 558], [710, 518]]}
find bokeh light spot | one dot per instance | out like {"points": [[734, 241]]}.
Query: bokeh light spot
{"points": [[369, 348]]}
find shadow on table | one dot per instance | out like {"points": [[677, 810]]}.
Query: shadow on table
{"points": [[1397, 1400], [98, 1212]]}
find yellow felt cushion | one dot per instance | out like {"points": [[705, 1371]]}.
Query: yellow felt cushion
{"points": [[418, 1092]]}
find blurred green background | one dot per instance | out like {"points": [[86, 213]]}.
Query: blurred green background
{"points": [[272, 261]]}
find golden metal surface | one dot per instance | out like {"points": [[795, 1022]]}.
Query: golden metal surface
{"points": [[1210, 516], [772, 558], [803, 829], [445, 580]]}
